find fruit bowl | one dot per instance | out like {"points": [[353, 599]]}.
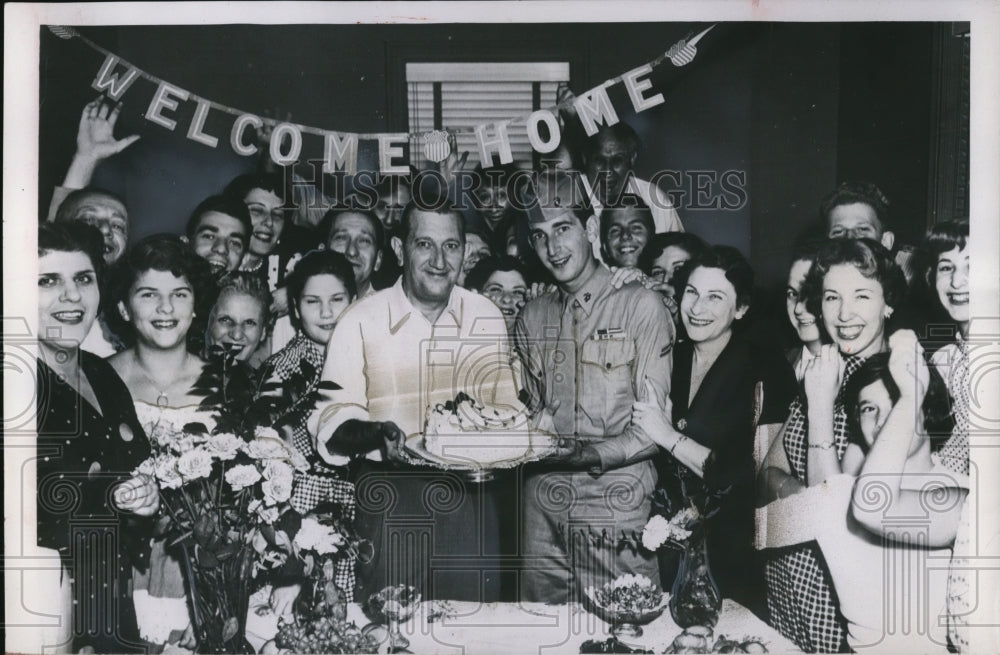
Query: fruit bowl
{"points": [[627, 603]]}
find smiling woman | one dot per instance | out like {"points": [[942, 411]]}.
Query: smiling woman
{"points": [[160, 287], [92, 439], [855, 287]]}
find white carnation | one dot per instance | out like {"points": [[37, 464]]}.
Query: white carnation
{"points": [[242, 476], [166, 472], [267, 448], [277, 490], [315, 536], [224, 446], [655, 532], [195, 464]]}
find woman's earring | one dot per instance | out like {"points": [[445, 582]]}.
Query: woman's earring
{"points": [[888, 312]]}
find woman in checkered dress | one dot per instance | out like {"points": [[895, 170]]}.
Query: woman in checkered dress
{"points": [[942, 287], [319, 289], [855, 287]]}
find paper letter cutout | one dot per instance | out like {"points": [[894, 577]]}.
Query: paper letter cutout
{"points": [[543, 116], [341, 152], [594, 108], [106, 79], [635, 87], [501, 142], [164, 98], [236, 135], [277, 136], [388, 149], [198, 122]]}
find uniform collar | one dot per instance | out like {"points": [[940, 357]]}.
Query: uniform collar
{"points": [[589, 294], [401, 309]]}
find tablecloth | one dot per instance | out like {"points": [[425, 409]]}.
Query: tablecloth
{"points": [[465, 628]]}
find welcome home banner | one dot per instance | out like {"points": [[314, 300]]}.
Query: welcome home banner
{"points": [[593, 108]]}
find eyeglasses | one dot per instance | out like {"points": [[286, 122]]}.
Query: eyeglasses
{"points": [[259, 212]]}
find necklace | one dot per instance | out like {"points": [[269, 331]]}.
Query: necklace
{"points": [[162, 399]]}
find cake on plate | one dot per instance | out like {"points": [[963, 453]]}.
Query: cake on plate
{"points": [[464, 431]]}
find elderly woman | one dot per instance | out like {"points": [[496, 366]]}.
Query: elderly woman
{"points": [[159, 285], [92, 440], [241, 316], [855, 287], [708, 450]]}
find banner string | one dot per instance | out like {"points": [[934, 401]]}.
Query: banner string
{"points": [[679, 54]]}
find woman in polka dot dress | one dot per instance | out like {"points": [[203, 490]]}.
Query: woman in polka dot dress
{"points": [[90, 508]]}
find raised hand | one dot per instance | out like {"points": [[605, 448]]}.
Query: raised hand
{"points": [[907, 364], [538, 289], [453, 164], [822, 377], [95, 139]]}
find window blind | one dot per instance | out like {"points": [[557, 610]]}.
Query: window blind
{"points": [[443, 95]]}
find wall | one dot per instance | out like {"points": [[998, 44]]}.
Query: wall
{"points": [[791, 105]]}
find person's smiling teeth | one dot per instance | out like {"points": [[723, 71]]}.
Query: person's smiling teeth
{"points": [[627, 250], [558, 263], [806, 322], [959, 298], [72, 317], [165, 325], [700, 322], [849, 332], [261, 235], [327, 326]]}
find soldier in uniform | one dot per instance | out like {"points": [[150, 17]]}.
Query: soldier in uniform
{"points": [[588, 349]]}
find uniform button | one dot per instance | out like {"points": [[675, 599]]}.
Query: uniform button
{"points": [[608, 365]]}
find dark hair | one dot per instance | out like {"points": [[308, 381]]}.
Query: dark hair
{"points": [[870, 258], [487, 266], [162, 252], [731, 262], [318, 262], [73, 197], [848, 193], [658, 243], [620, 131], [223, 205], [442, 207], [807, 248], [942, 238], [241, 185], [937, 418], [640, 208], [73, 236], [326, 225], [556, 188]]}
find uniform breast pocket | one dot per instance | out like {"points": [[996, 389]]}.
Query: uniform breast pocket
{"points": [[607, 366]]}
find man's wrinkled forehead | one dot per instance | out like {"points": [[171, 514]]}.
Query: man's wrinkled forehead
{"points": [[96, 201]]}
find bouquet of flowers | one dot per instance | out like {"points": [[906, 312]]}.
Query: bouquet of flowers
{"points": [[225, 482], [319, 623]]}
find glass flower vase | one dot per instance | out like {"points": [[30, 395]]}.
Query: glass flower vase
{"points": [[695, 598]]}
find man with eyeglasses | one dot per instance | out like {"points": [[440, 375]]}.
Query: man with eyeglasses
{"points": [[273, 248]]}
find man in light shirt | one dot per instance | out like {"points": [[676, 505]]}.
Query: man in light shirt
{"points": [[391, 356]]}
